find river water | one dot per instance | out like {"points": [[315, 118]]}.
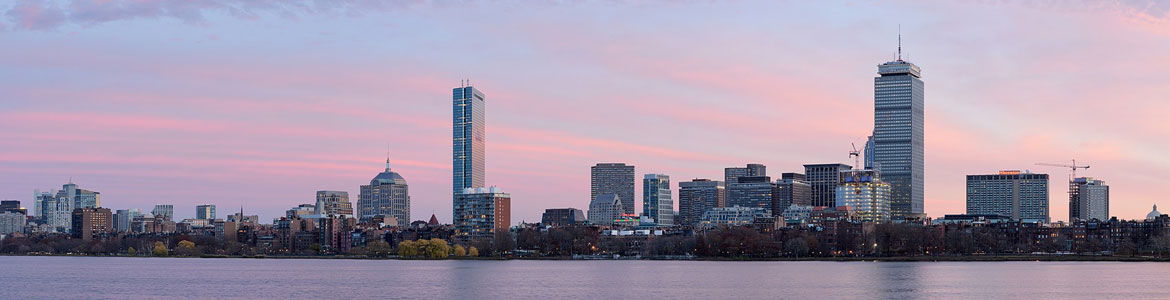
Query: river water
{"points": [[191, 278]]}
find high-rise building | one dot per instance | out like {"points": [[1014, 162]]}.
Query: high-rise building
{"points": [[387, 195], [468, 138], [306, 209], [613, 178], [481, 213], [823, 180], [791, 189], [562, 216], [1012, 194], [80, 197], [11, 222], [697, 196], [90, 222], [205, 212], [752, 191], [865, 193], [731, 175], [869, 154], [605, 209], [12, 206], [54, 212], [333, 203], [165, 211], [656, 199], [898, 134], [123, 218], [1088, 199]]}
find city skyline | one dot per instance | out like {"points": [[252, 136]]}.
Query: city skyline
{"points": [[260, 144]]}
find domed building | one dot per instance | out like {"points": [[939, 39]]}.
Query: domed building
{"points": [[1153, 214], [387, 196]]}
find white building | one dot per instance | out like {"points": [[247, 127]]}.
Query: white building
{"points": [[865, 193]]}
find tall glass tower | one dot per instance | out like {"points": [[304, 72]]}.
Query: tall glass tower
{"points": [[898, 134], [468, 139]]}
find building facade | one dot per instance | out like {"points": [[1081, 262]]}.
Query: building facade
{"points": [[467, 139], [388, 195], [205, 212], [731, 175], [1088, 199], [613, 178], [605, 209], [791, 189], [562, 216], [898, 134], [866, 194], [823, 180], [165, 211], [123, 218], [11, 222], [657, 202], [481, 213], [733, 216], [752, 191], [1011, 194], [333, 203], [697, 196], [80, 197], [90, 223]]}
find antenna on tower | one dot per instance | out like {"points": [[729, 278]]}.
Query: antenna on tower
{"points": [[899, 42]]}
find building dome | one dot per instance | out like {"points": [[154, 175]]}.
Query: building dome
{"points": [[1153, 214], [387, 177]]}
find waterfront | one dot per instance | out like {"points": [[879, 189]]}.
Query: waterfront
{"points": [[187, 278]]}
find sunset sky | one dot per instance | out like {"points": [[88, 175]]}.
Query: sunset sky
{"points": [[236, 103]]}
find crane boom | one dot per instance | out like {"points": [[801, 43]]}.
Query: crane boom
{"points": [[1073, 167]]}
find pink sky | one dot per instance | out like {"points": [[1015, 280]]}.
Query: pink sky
{"points": [[260, 105]]}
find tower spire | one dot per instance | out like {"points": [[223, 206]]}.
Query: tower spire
{"points": [[387, 157], [899, 42]]}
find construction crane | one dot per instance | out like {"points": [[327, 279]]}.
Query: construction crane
{"points": [[856, 157], [1072, 167]]}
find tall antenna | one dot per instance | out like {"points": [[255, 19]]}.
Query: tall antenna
{"points": [[387, 157], [899, 42]]}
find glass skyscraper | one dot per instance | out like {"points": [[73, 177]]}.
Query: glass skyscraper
{"points": [[656, 199], [898, 135], [468, 138]]}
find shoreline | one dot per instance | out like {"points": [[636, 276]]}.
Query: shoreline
{"points": [[991, 258]]}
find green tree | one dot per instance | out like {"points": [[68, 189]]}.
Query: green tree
{"points": [[459, 251], [407, 249], [473, 252], [160, 249]]}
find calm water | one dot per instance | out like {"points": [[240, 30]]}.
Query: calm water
{"points": [[173, 278]]}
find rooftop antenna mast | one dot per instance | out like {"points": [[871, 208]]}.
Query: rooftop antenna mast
{"points": [[899, 42]]}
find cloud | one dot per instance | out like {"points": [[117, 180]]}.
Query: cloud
{"points": [[50, 14]]}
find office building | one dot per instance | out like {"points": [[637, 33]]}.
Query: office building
{"points": [[823, 180], [752, 191], [791, 189], [205, 212], [81, 198], [123, 218], [12, 206], [733, 216], [1011, 194], [606, 209], [697, 196], [480, 213], [11, 222], [657, 202], [1088, 199], [869, 154], [54, 212], [468, 139], [387, 195], [731, 175], [333, 203], [562, 216], [865, 193], [898, 134], [613, 178], [90, 223], [164, 211], [303, 210]]}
